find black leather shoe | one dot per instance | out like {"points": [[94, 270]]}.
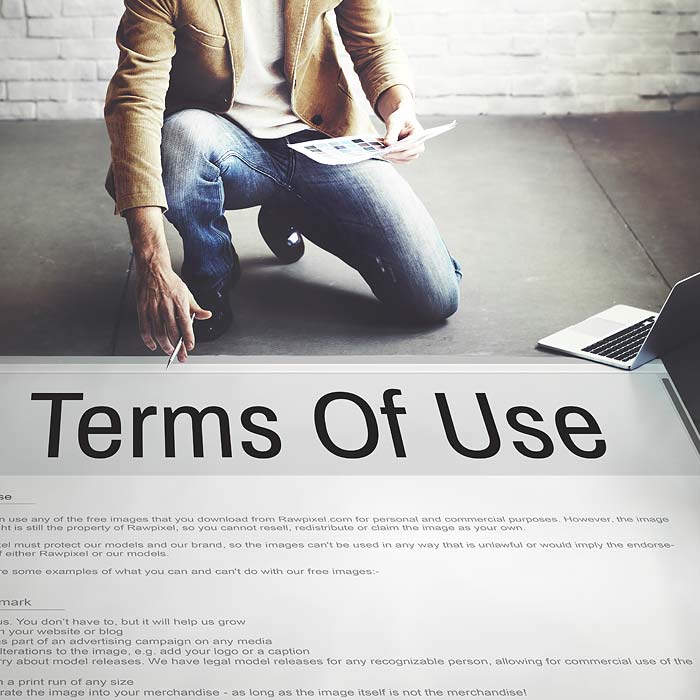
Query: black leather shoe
{"points": [[281, 230], [217, 301]]}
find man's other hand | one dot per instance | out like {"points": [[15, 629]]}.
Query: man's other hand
{"points": [[396, 107], [165, 306], [164, 303]]}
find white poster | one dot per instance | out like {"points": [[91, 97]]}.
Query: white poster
{"points": [[310, 531]]}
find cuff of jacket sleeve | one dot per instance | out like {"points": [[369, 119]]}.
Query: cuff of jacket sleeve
{"points": [[140, 199], [152, 197]]}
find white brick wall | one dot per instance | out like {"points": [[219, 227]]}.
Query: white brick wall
{"points": [[470, 56]]}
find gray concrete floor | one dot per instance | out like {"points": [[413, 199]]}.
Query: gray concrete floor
{"points": [[552, 219]]}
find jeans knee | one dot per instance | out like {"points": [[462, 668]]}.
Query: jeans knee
{"points": [[182, 133], [419, 294], [436, 303], [189, 127], [186, 154]]}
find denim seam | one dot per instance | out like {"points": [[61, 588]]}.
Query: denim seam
{"points": [[291, 169], [226, 239], [334, 214], [229, 154]]}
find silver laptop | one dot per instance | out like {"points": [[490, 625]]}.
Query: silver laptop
{"points": [[625, 337]]}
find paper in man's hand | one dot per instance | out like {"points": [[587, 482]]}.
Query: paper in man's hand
{"points": [[355, 149]]}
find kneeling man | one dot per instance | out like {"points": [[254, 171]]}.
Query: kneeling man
{"points": [[206, 97]]}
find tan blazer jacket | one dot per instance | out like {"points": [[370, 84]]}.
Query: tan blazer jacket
{"points": [[176, 54]]}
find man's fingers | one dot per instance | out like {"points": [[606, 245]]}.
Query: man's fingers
{"points": [[408, 147], [408, 154], [399, 157], [393, 131], [165, 345], [171, 326], [158, 324], [197, 310], [165, 308], [184, 320], [403, 157], [145, 330], [157, 329], [397, 131], [164, 341]]}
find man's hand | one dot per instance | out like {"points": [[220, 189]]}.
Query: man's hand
{"points": [[397, 109], [164, 303]]}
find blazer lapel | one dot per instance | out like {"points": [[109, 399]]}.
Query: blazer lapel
{"points": [[232, 16], [296, 15]]}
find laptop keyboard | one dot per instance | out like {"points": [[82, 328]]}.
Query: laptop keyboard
{"points": [[624, 344]]}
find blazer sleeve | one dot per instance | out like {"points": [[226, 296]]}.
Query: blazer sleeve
{"points": [[135, 102], [367, 30]]}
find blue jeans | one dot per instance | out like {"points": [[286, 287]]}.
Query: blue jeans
{"points": [[365, 214]]}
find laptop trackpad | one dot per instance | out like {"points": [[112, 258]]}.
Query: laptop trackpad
{"points": [[597, 327]]}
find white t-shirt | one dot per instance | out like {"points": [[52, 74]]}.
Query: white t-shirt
{"points": [[262, 104]]}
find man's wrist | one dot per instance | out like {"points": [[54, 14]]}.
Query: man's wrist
{"points": [[148, 238], [394, 98], [149, 259]]}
